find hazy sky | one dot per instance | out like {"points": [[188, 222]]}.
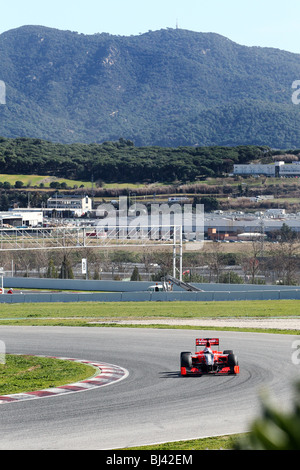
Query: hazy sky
{"points": [[249, 22]]}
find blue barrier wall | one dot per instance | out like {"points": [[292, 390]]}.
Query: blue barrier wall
{"points": [[123, 286], [151, 296], [120, 291], [75, 284]]}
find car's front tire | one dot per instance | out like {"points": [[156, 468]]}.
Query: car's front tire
{"points": [[185, 362], [233, 363]]}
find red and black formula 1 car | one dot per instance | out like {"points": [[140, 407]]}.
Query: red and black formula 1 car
{"points": [[208, 361]]}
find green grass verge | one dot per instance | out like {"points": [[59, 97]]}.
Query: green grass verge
{"points": [[115, 310], [109, 313], [30, 373], [208, 443]]}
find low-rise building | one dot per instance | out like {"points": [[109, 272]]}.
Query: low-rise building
{"points": [[76, 204], [8, 219], [277, 169], [30, 217]]}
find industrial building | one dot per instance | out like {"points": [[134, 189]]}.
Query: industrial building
{"points": [[30, 217], [277, 169], [21, 218], [236, 226]]}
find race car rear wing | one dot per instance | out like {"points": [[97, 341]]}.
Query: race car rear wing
{"points": [[203, 341]]}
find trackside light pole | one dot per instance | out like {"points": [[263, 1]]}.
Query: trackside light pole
{"points": [[179, 228], [2, 274]]}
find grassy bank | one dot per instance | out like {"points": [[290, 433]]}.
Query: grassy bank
{"points": [[208, 443], [87, 313], [115, 310], [29, 373]]}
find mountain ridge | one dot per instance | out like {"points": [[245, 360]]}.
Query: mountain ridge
{"points": [[169, 87]]}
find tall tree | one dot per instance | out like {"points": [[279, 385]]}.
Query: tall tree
{"points": [[66, 271]]}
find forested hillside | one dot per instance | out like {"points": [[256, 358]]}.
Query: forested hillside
{"points": [[122, 161], [166, 88]]}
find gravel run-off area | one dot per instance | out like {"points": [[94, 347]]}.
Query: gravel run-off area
{"points": [[291, 323]]}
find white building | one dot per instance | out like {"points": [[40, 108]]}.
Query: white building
{"points": [[252, 169], [7, 219], [77, 204], [275, 213], [276, 169], [30, 217]]}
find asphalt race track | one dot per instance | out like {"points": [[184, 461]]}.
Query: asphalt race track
{"points": [[154, 403]]}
